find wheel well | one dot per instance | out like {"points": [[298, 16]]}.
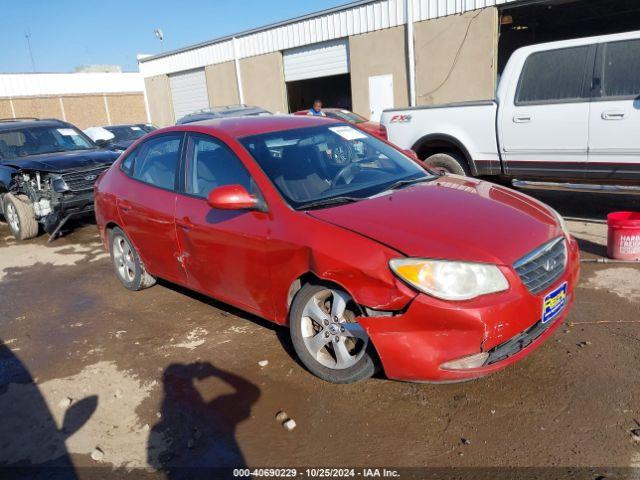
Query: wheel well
{"points": [[107, 228], [426, 147], [310, 277]]}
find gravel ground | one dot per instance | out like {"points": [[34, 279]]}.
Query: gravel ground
{"points": [[94, 375]]}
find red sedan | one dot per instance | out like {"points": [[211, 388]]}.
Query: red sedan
{"points": [[368, 258], [374, 128]]}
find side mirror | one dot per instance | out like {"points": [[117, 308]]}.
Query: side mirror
{"points": [[411, 153], [78, 414], [101, 142], [232, 197]]}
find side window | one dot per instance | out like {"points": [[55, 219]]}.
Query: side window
{"points": [[621, 69], [127, 164], [212, 164], [555, 75], [156, 161]]}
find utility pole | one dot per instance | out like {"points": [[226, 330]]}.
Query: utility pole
{"points": [[27, 36]]}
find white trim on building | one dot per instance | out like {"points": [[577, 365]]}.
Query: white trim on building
{"points": [[42, 84], [352, 19]]}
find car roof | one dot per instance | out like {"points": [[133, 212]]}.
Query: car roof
{"points": [[245, 126], [13, 124]]}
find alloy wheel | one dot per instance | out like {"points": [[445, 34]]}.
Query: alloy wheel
{"points": [[329, 330], [12, 217], [124, 259]]}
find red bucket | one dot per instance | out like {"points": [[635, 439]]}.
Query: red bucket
{"points": [[623, 241]]}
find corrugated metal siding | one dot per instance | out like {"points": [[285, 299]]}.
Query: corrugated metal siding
{"points": [[361, 18], [39, 84], [317, 60]]}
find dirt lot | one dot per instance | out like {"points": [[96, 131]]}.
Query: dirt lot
{"points": [[169, 378]]}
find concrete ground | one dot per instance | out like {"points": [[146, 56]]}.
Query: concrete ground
{"points": [[92, 374]]}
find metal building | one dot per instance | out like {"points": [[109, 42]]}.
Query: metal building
{"points": [[371, 54]]}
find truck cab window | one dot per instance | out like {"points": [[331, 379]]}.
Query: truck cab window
{"points": [[553, 76], [621, 69]]}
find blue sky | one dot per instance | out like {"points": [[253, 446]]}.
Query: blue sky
{"points": [[68, 33]]}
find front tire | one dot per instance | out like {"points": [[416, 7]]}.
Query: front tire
{"points": [[126, 262], [18, 212], [444, 163], [326, 337]]}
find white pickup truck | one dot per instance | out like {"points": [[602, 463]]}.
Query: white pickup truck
{"points": [[566, 114]]}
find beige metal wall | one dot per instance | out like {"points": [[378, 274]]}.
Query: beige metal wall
{"points": [[81, 110], [159, 100], [456, 57], [127, 108], [263, 82], [378, 53], [222, 84]]}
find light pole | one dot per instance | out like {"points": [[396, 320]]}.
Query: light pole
{"points": [[160, 36]]}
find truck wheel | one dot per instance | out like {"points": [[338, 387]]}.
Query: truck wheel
{"points": [[326, 337], [446, 163], [18, 212], [127, 262]]}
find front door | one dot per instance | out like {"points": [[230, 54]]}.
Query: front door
{"points": [[380, 95], [225, 252], [147, 202], [544, 130], [614, 127]]}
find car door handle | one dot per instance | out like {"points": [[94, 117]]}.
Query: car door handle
{"points": [[614, 115], [524, 118], [185, 223]]}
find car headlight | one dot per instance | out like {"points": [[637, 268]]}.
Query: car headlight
{"points": [[561, 221], [450, 280], [58, 184]]}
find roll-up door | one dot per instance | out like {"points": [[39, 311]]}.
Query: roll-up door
{"points": [[317, 60], [188, 92]]}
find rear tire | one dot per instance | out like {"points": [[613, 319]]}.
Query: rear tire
{"points": [[446, 163], [127, 263], [326, 337], [18, 212]]}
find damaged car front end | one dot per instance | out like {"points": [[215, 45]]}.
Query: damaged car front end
{"points": [[47, 177]]}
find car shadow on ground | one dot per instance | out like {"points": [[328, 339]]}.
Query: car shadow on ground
{"points": [[196, 434], [281, 332], [31, 444]]}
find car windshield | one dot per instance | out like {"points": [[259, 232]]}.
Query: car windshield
{"points": [[346, 116], [325, 165], [125, 132], [22, 142]]}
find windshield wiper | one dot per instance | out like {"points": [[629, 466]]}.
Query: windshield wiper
{"points": [[407, 182], [328, 201]]}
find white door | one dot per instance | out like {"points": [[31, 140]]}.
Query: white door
{"points": [[188, 92], [544, 129], [380, 95], [318, 60], [614, 127]]}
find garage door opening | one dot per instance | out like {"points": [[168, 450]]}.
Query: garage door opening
{"points": [[562, 20], [334, 91]]}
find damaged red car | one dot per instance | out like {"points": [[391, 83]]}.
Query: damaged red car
{"points": [[369, 259]]}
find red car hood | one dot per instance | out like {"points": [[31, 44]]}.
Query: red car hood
{"points": [[453, 218]]}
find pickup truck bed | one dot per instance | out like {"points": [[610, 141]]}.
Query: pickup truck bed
{"points": [[471, 126]]}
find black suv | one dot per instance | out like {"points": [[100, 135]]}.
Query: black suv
{"points": [[47, 172]]}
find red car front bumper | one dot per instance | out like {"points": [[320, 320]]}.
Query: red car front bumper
{"points": [[413, 345]]}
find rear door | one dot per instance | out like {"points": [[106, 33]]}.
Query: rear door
{"points": [[224, 251], [614, 126], [545, 127], [147, 201]]}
